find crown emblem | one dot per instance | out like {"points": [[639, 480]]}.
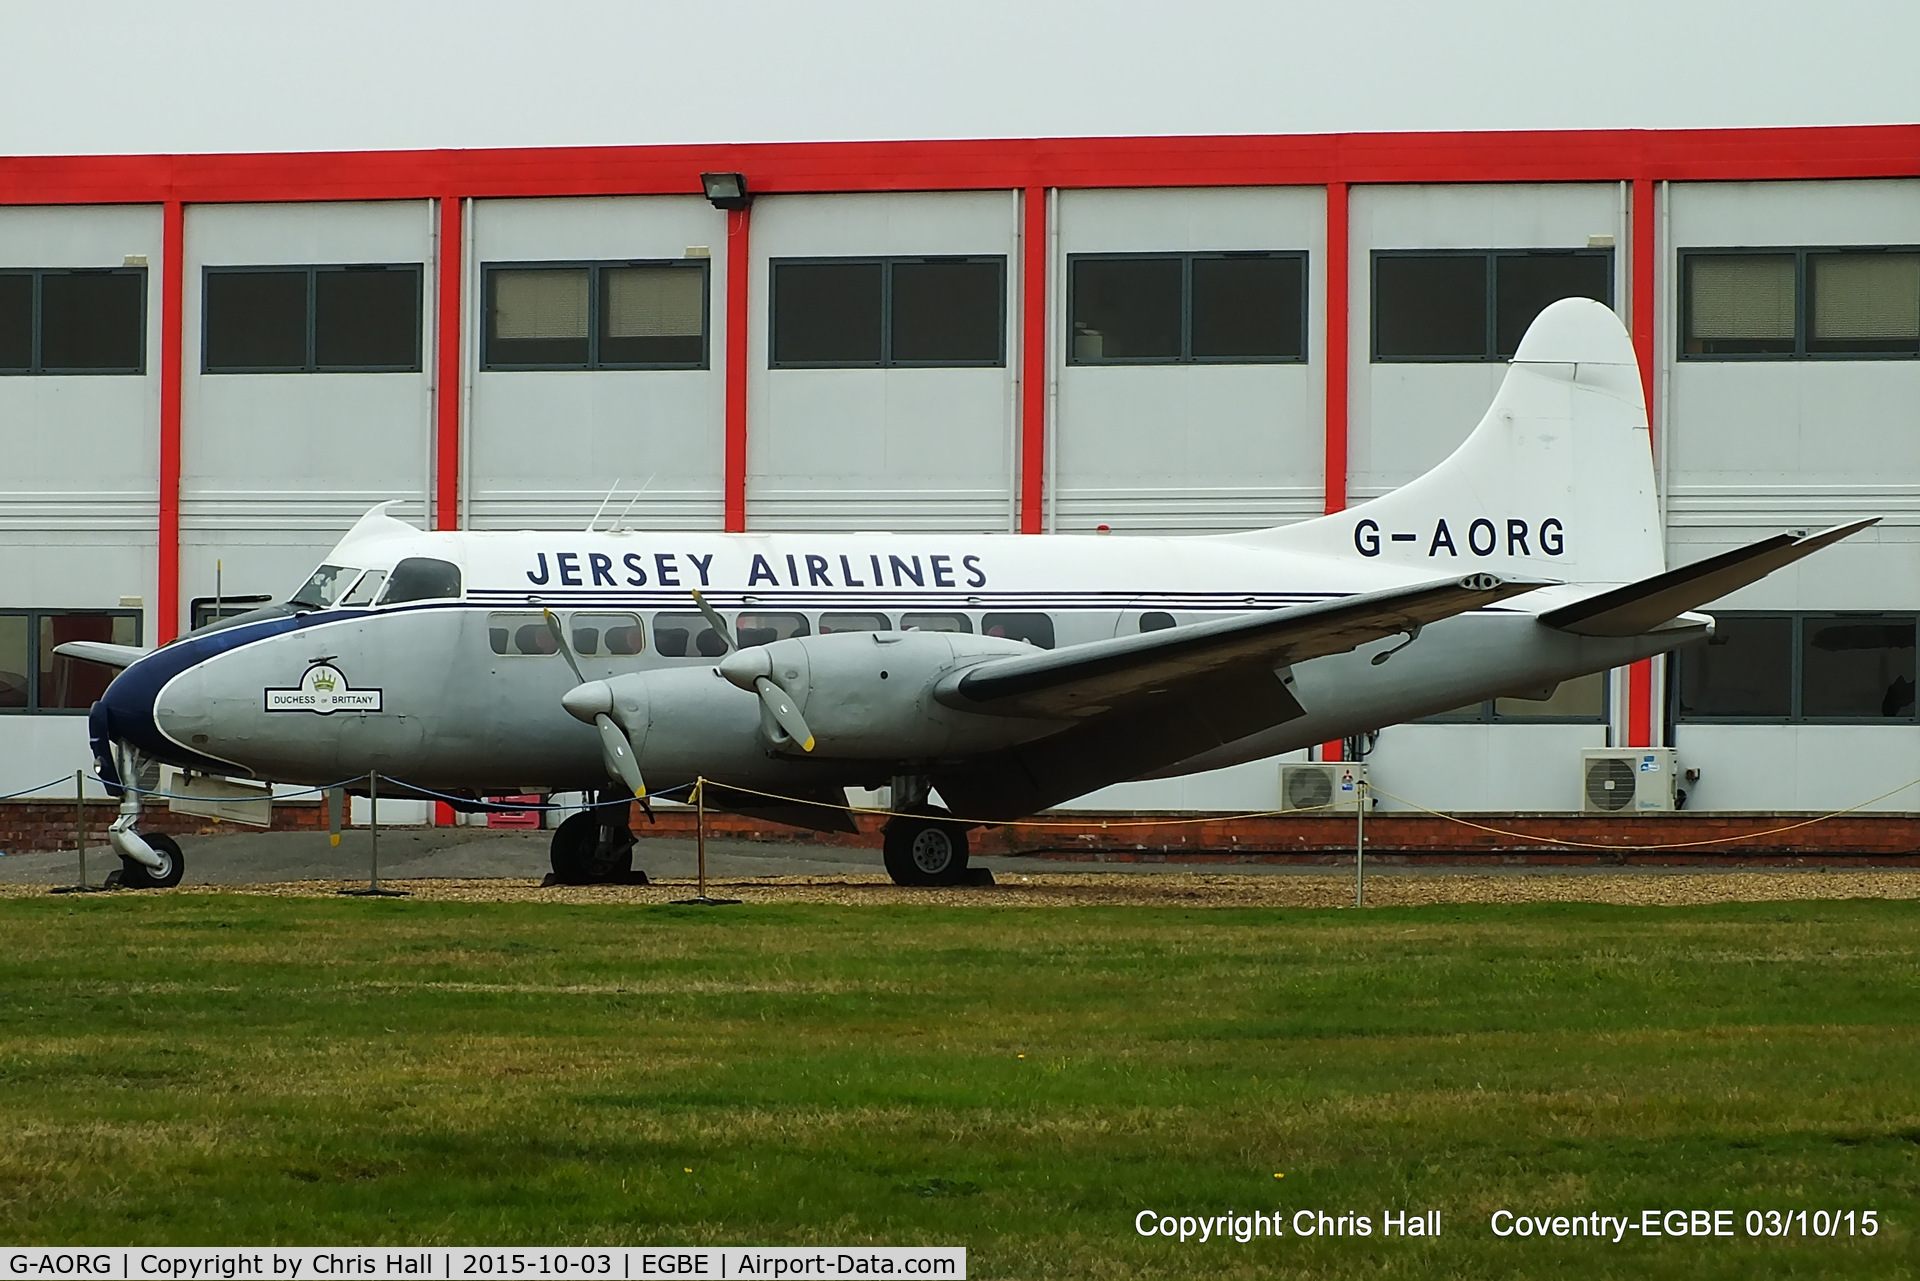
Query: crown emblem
{"points": [[324, 682]]}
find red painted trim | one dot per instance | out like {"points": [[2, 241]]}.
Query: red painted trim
{"points": [[1335, 329], [1033, 361], [734, 464], [446, 501], [1855, 151], [1642, 310], [173, 275]]}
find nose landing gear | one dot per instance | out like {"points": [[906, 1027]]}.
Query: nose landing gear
{"points": [[149, 862], [596, 847]]}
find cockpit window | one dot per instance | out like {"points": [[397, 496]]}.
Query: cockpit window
{"points": [[422, 578], [366, 589], [325, 587]]}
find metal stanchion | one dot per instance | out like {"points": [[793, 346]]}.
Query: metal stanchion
{"points": [[700, 845], [1360, 845], [374, 889], [79, 833]]}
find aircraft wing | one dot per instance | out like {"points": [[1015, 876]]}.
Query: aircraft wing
{"points": [[101, 652], [1103, 676], [1141, 702]]}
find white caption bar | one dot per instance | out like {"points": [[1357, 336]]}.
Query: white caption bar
{"points": [[305, 1263]]}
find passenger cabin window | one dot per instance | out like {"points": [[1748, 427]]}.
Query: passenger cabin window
{"points": [[1785, 304], [618, 635], [935, 623], [686, 636], [876, 312], [1156, 620], [73, 321], [326, 586], [831, 623], [764, 629], [597, 315], [520, 633], [35, 679], [1450, 305], [1034, 629], [1223, 308], [322, 319]]}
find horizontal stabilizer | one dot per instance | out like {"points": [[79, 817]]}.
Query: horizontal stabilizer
{"points": [[1641, 607], [101, 652]]}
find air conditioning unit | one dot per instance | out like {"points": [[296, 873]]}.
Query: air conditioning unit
{"points": [[1327, 786], [1627, 780]]}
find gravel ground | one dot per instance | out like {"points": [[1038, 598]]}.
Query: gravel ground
{"points": [[1180, 889]]}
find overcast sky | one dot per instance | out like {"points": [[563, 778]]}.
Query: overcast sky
{"points": [[264, 75]]}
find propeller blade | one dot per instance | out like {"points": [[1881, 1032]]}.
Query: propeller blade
{"points": [[714, 621], [566, 650], [785, 714], [617, 753]]}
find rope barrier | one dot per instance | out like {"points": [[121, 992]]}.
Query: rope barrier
{"points": [[189, 796], [64, 778], [1022, 822], [1661, 845]]}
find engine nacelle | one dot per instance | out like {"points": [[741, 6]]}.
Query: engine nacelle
{"points": [[869, 695]]}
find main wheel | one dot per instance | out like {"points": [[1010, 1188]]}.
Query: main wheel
{"points": [[138, 876], [925, 851], [586, 851]]}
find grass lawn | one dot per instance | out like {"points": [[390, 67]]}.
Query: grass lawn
{"points": [[228, 1069]]}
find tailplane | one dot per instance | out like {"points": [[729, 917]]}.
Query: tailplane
{"points": [[1556, 482]]}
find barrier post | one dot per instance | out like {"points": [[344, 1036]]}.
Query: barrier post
{"points": [[373, 889], [1360, 845], [80, 824], [700, 846]]}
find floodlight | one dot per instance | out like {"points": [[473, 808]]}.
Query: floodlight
{"points": [[726, 190]]}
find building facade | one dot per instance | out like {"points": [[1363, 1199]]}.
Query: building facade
{"points": [[211, 365]]}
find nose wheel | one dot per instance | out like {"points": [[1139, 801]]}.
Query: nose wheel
{"points": [[135, 875], [591, 849], [921, 850]]}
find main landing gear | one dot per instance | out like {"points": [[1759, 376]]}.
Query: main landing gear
{"points": [[922, 848], [595, 847]]}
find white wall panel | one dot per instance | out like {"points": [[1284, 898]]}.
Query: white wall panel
{"points": [[39, 749], [1502, 768], [880, 448], [1172, 448], [275, 467], [1404, 418], [1800, 767], [545, 446], [1757, 446], [79, 494]]}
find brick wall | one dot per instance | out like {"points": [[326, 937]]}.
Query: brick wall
{"points": [[29, 826]]}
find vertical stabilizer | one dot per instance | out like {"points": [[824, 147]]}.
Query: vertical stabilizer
{"points": [[1556, 482]]}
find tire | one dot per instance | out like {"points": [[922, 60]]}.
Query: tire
{"points": [[577, 855], [925, 851], [138, 876]]}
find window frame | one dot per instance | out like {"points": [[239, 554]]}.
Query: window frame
{"points": [[1802, 322], [886, 264], [36, 368], [1186, 259], [33, 617], [1488, 716], [312, 271], [1492, 283], [595, 309], [1797, 642]]}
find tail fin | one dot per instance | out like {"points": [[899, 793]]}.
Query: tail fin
{"points": [[1556, 481]]}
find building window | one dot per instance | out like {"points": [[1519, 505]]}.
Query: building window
{"points": [[35, 679], [871, 313], [1580, 701], [73, 321], [597, 315], [1210, 308], [1786, 304], [304, 320], [1799, 667], [1456, 305]]}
